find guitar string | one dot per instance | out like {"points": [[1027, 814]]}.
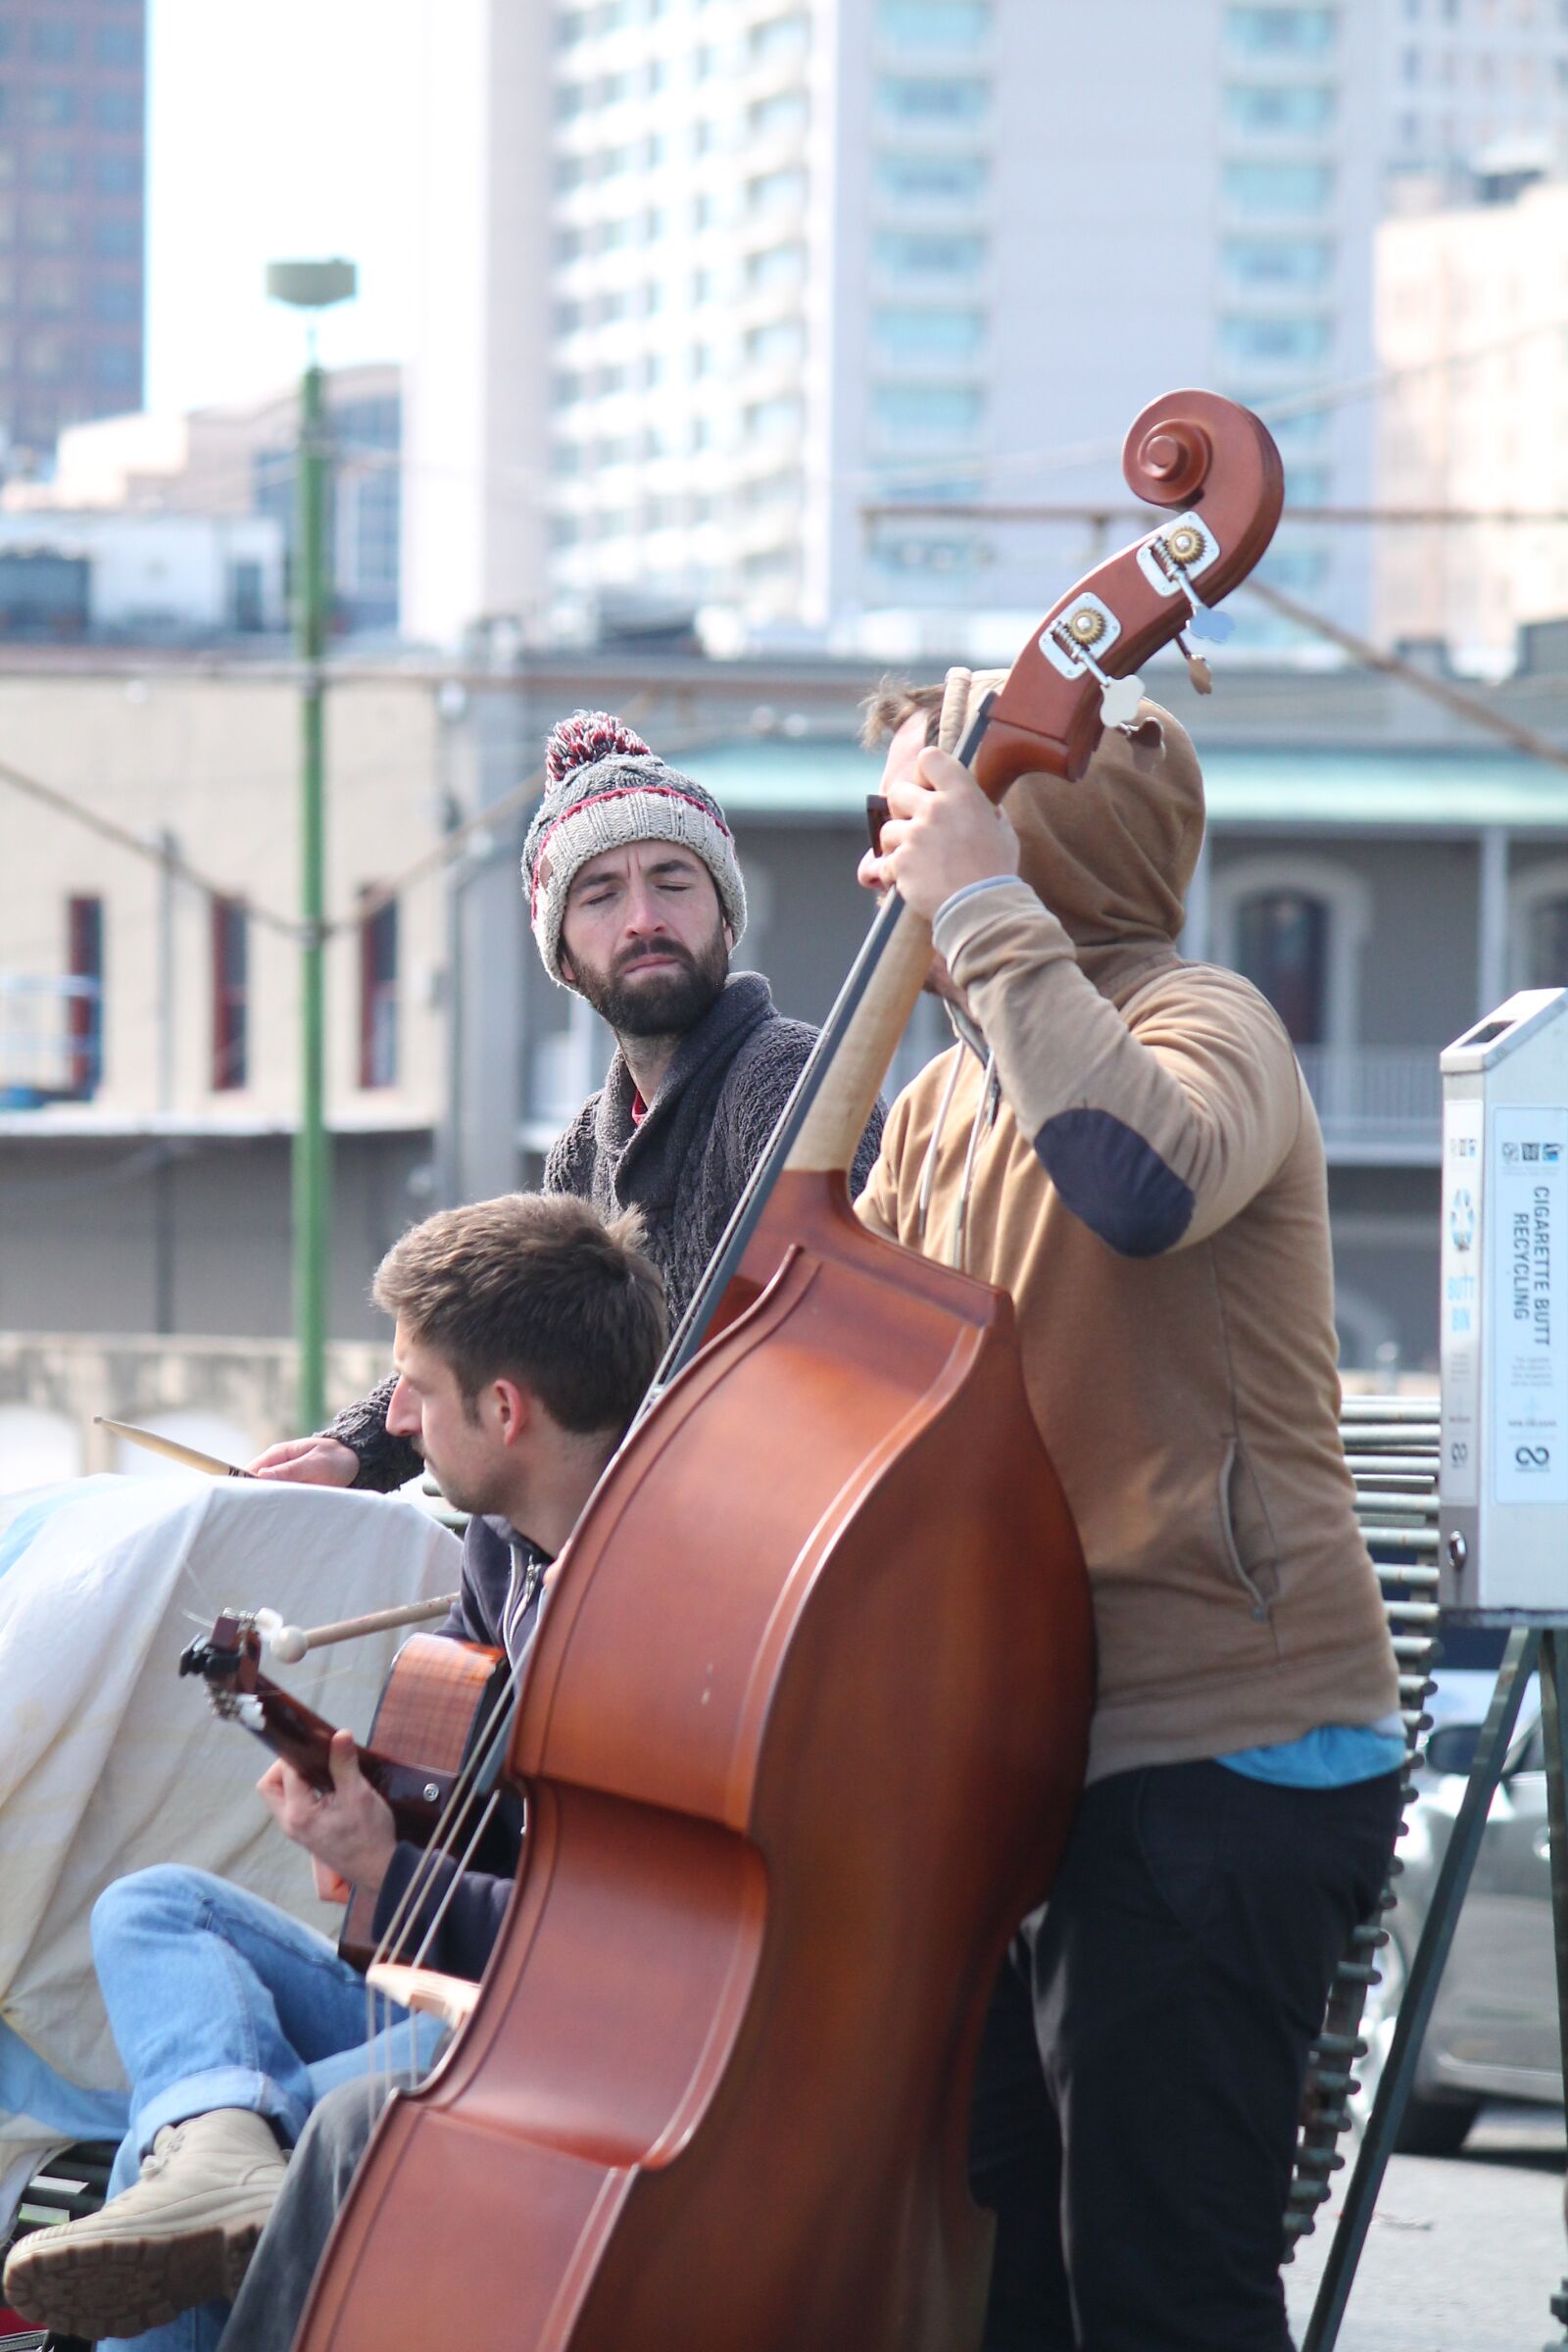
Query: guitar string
{"points": [[475, 1765], [437, 1915], [483, 1759], [482, 1762]]}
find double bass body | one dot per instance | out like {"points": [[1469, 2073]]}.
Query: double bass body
{"points": [[802, 1736]]}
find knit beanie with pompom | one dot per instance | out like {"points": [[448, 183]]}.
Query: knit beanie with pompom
{"points": [[603, 789]]}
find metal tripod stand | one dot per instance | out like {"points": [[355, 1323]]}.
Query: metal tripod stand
{"points": [[1530, 1650]]}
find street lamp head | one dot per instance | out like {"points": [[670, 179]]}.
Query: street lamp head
{"points": [[312, 285]]}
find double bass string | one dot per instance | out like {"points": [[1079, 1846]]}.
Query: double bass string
{"points": [[727, 1258], [684, 1344]]}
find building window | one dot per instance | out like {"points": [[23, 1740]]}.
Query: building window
{"points": [[1245, 340], [933, 24], [51, 289], [118, 109], [51, 225], [928, 333], [943, 99], [766, 118], [906, 255], [1538, 926], [777, 264], [44, 356], [1298, 108], [378, 995], [776, 38], [1281, 946], [776, 345], [118, 46], [1297, 927], [84, 957], [116, 364], [767, 420], [1546, 942], [51, 107], [1278, 187], [1267, 264], [116, 174], [52, 167], [230, 993], [116, 237], [55, 43], [1280, 31], [941, 411], [771, 191], [116, 303], [932, 178]]}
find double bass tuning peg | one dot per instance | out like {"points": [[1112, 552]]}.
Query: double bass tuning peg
{"points": [[1198, 669]]}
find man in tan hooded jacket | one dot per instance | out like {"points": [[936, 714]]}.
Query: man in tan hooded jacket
{"points": [[1146, 1177]]}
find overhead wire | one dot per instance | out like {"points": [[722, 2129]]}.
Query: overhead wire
{"points": [[1450, 697]]}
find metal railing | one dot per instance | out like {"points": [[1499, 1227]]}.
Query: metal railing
{"points": [[1391, 1443], [1371, 1096], [51, 1039]]}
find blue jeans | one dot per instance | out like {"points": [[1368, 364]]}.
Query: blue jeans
{"points": [[217, 1999]]}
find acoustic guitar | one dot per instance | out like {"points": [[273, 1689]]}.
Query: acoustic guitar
{"points": [[431, 1714]]}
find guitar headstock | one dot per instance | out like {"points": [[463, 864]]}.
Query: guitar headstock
{"points": [[228, 1658], [1215, 463]]}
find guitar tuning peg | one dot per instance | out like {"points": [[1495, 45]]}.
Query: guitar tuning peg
{"points": [[1198, 669]]}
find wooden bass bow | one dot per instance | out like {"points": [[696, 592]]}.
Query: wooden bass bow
{"points": [[802, 1731]]}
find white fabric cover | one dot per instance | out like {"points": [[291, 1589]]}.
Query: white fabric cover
{"points": [[109, 1762]]}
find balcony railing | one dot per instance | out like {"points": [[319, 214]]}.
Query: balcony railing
{"points": [[1376, 1099], [1373, 1102], [51, 1039]]}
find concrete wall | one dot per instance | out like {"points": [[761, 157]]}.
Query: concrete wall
{"points": [[191, 1236]]}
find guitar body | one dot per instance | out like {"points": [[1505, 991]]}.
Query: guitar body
{"points": [[435, 1704]]}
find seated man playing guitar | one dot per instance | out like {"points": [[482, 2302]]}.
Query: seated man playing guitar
{"points": [[527, 1330]]}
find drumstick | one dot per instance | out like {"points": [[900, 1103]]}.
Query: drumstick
{"points": [[188, 1454], [291, 1641]]}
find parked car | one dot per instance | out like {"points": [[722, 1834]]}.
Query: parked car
{"points": [[1493, 2029]]}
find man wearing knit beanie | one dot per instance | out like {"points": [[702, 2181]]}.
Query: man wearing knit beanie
{"points": [[636, 902]]}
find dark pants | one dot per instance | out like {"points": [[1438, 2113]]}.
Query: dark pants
{"points": [[1140, 2080], [271, 2303]]}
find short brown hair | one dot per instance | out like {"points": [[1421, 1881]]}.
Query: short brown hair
{"points": [[884, 713], [537, 1288]]}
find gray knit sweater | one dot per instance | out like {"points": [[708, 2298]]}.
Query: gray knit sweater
{"points": [[685, 1165]]}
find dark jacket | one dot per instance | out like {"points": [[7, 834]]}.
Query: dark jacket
{"points": [[497, 1606], [684, 1165]]}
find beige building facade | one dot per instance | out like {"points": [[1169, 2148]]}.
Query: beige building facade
{"points": [[184, 1013], [1474, 415]]}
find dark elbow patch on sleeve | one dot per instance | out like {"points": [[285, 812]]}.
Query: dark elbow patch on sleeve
{"points": [[1115, 1182]]}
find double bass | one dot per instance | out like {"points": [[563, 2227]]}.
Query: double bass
{"points": [[802, 1730]]}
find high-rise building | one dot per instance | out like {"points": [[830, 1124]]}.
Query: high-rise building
{"points": [[714, 278], [73, 106]]}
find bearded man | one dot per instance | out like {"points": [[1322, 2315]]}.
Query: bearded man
{"points": [[636, 900]]}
